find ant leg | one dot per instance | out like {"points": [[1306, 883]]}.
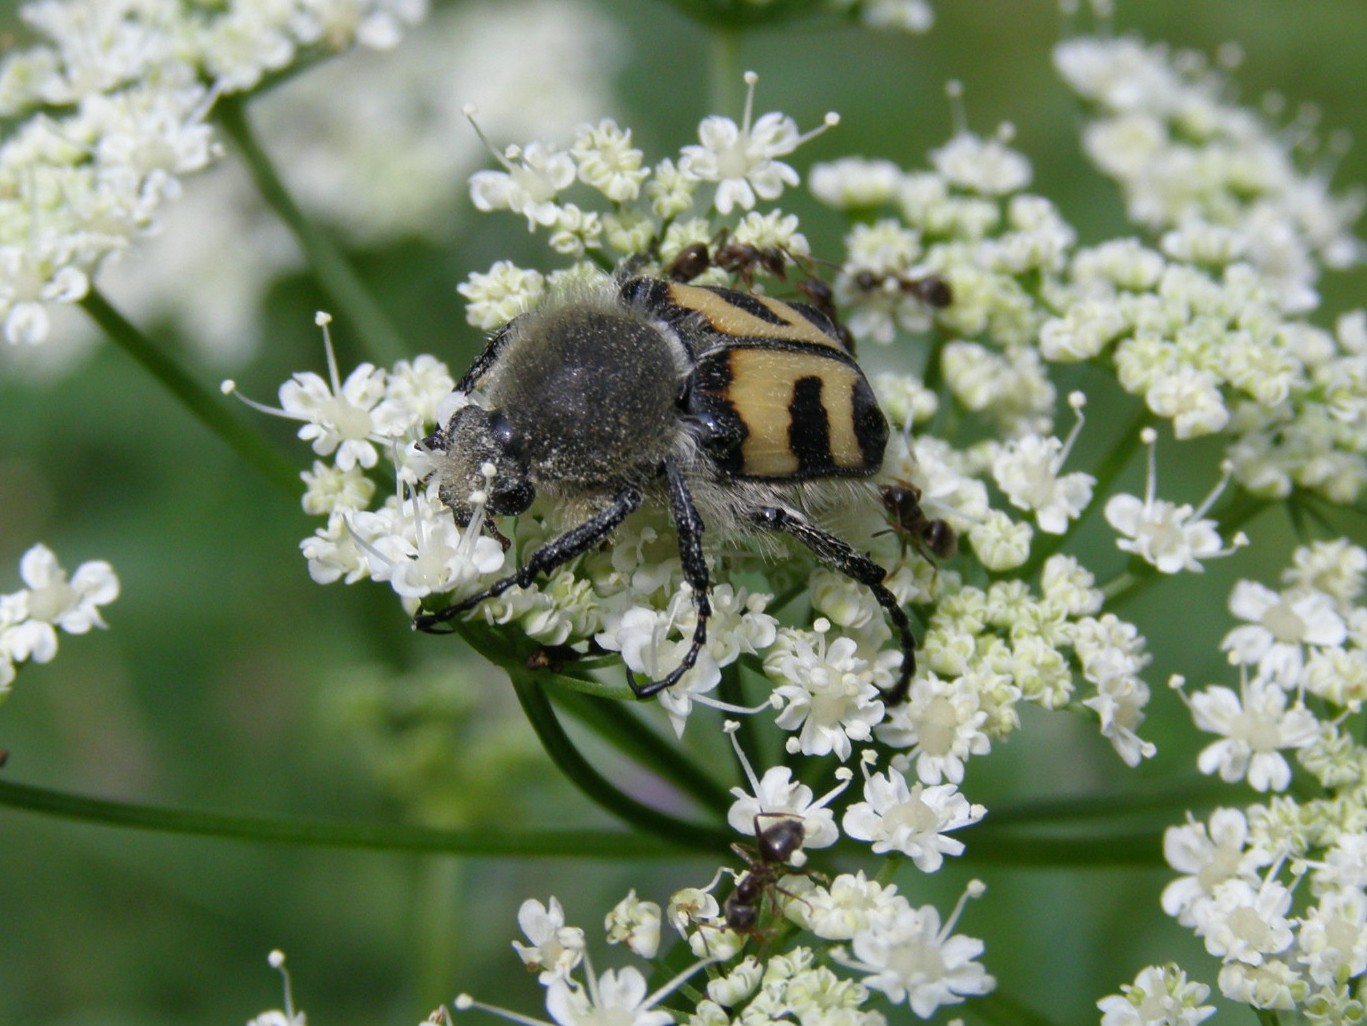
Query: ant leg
{"points": [[856, 566], [690, 527], [574, 542]]}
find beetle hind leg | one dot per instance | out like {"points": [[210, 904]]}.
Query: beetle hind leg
{"points": [[689, 526], [857, 566]]}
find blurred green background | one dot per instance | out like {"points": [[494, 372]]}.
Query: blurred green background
{"points": [[229, 681]]}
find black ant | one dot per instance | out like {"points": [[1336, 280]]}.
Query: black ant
{"points": [[929, 537], [767, 863], [745, 261], [932, 290]]}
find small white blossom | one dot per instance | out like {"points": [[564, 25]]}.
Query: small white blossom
{"points": [[618, 996], [976, 164], [635, 923], [825, 690], [913, 959], [1332, 939], [1168, 536], [29, 618], [1159, 996], [1208, 856], [555, 948], [1027, 471], [495, 298], [855, 183], [607, 160], [941, 723], [741, 159], [850, 904], [1245, 922], [532, 178], [913, 820], [1280, 626], [776, 794], [1256, 725]]}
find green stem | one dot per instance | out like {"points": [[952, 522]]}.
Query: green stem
{"points": [[1141, 849], [724, 70], [1173, 795], [338, 279], [616, 724], [570, 762], [480, 842], [1110, 468], [1001, 1009], [209, 408]]}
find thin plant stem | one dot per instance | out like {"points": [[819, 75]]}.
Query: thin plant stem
{"points": [[577, 769], [396, 837], [208, 407], [615, 723], [338, 279]]}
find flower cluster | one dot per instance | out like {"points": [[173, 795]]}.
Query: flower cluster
{"points": [[1302, 657], [1219, 181], [30, 617], [906, 954], [118, 97]]}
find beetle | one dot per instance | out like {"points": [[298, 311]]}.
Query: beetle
{"points": [[733, 410]]}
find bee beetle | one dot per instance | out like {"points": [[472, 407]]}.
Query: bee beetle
{"points": [[731, 409]]}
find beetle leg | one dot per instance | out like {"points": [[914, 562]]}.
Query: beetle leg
{"points": [[689, 526], [557, 552], [858, 567]]}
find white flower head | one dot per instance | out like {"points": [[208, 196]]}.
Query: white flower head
{"points": [[1027, 471], [1280, 627], [496, 297], [1245, 922], [555, 948], [533, 176], [825, 690], [741, 158], [848, 905], [1159, 996], [415, 546], [635, 923], [913, 820], [1170, 537], [941, 725], [913, 959], [1256, 724], [30, 618], [1208, 855], [607, 160], [987, 166], [777, 794]]}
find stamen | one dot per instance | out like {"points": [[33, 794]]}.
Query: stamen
{"points": [[1077, 401], [322, 318], [1149, 437], [975, 889], [464, 1002], [954, 93], [730, 727], [829, 121], [229, 387], [750, 79], [674, 983], [470, 110], [276, 959]]}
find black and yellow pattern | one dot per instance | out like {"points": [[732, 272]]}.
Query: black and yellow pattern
{"points": [[782, 397]]}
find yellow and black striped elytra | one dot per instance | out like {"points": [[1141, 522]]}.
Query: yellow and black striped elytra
{"points": [[775, 384], [724, 406]]}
